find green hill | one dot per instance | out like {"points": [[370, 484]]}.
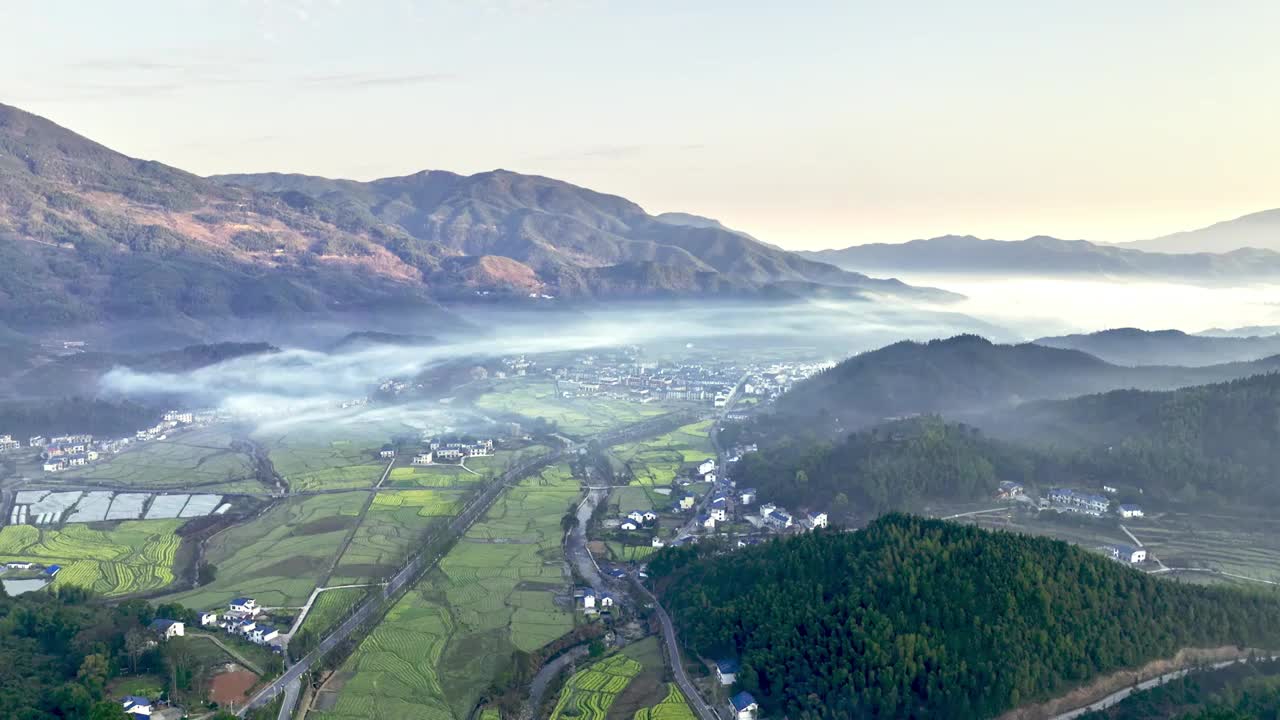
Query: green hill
{"points": [[923, 618]]}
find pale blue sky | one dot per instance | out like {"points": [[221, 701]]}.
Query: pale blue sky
{"points": [[807, 123]]}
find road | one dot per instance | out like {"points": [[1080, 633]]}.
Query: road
{"points": [[416, 566], [1119, 695], [412, 570], [691, 694]]}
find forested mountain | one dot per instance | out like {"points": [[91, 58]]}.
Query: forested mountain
{"points": [[967, 376], [924, 618], [890, 467], [1047, 256], [1211, 442], [1130, 346], [88, 234]]}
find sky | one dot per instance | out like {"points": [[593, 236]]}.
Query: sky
{"points": [[807, 123]]}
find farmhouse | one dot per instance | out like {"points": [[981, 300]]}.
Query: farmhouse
{"points": [[263, 634], [423, 458], [778, 519], [1127, 553], [19, 565], [247, 606], [585, 598], [744, 706], [387, 452], [687, 502], [1009, 490], [52, 570], [719, 510], [167, 628], [816, 520], [727, 671], [657, 542], [707, 521], [628, 525], [606, 600], [636, 517], [136, 706], [1130, 511], [1076, 501], [208, 618], [747, 496], [706, 466]]}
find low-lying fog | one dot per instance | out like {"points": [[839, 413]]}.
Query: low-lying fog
{"points": [[1035, 307]]}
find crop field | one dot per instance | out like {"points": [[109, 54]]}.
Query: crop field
{"points": [[278, 556], [395, 521], [449, 637], [673, 707], [590, 693], [316, 461], [431, 476], [536, 398], [629, 553], [1244, 548], [196, 459], [330, 607], [658, 461], [134, 556]]}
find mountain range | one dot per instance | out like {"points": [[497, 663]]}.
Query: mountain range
{"points": [[89, 234], [1043, 255], [1130, 346], [1256, 230]]}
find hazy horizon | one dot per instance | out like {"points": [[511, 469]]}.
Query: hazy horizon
{"points": [[812, 126]]}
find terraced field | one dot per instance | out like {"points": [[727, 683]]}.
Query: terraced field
{"points": [[133, 556], [658, 461], [1251, 549], [673, 707], [591, 692], [478, 469], [396, 520], [629, 553], [536, 397], [199, 459], [449, 637], [278, 556]]}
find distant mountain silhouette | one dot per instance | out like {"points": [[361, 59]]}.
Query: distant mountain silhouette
{"points": [[1255, 230], [1130, 346]]}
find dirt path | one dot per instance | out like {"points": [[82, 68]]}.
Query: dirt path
{"points": [[228, 650]]}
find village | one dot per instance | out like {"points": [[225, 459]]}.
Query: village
{"points": [[62, 452], [1085, 503]]}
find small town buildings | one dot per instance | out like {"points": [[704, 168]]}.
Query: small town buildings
{"points": [[636, 517], [244, 606], [767, 508], [1130, 511], [584, 598], [208, 618], [167, 629], [387, 452], [719, 509], [709, 477], [778, 519], [1009, 490], [424, 458], [707, 521], [263, 634], [19, 565], [687, 502], [606, 600], [744, 706], [650, 516], [726, 671], [747, 496], [706, 466], [629, 525], [136, 706], [1077, 501]]}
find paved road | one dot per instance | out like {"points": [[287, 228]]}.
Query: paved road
{"points": [[691, 694]]}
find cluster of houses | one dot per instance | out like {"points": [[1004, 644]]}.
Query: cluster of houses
{"points": [[7, 443], [49, 571], [452, 452], [1126, 553], [69, 451], [241, 619], [591, 601], [622, 375], [726, 500], [1088, 503], [743, 705]]}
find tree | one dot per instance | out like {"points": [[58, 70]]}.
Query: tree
{"points": [[108, 710], [135, 644], [94, 671], [206, 573]]}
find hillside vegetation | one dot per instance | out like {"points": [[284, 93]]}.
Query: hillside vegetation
{"points": [[923, 618]]}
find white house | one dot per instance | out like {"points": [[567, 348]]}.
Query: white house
{"points": [[687, 502], [167, 629], [585, 598], [387, 452], [706, 466], [747, 496], [709, 477], [208, 618], [744, 706], [766, 509], [1127, 553], [816, 520], [1130, 511], [264, 634], [650, 516], [422, 458], [636, 517], [19, 565], [1110, 490], [707, 522], [135, 706], [247, 606], [628, 525], [606, 600], [657, 542]]}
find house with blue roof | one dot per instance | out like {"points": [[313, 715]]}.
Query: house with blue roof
{"points": [[744, 706], [138, 707], [52, 570], [727, 671]]}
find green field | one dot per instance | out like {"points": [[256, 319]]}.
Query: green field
{"points": [[278, 556], [536, 398], [431, 476], [196, 460], [629, 553], [330, 607], [673, 707], [1249, 548], [444, 643], [313, 460], [657, 462], [132, 556], [396, 520], [590, 693]]}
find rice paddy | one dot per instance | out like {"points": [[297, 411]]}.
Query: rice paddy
{"points": [[396, 520], [658, 461], [131, 557], [590, 692], [278, 556], [492, 593], [330, 607], [673, 707], [313, 461]]}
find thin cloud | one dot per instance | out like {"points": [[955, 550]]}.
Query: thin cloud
{"points": [[376, 80]]}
